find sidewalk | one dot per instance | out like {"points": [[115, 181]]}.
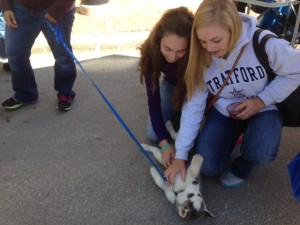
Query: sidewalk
{"points": [[117, 27]]}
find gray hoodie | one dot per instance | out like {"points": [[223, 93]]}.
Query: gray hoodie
{"points": [[248, 80]]}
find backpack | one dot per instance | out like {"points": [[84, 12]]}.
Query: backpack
{"points": [[290, 107]]}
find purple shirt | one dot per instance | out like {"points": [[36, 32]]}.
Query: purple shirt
{"points": [[154, 101]]}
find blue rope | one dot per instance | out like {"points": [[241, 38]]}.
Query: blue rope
{"points": [[59, 39]]}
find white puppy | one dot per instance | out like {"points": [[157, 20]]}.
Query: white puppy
{"points": [[186, 194]]}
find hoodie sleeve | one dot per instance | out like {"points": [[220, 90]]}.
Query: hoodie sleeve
{"points": [[155, 110], [284, 60], [191, 117]]}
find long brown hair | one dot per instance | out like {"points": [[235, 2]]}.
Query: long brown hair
{"points": [[174, 21]]}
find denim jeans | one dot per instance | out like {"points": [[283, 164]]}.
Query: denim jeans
{"points": [[166, 92], [262, 134], [18, 48]]}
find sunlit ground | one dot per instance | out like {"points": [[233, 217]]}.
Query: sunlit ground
{"points": [[89, 46]]}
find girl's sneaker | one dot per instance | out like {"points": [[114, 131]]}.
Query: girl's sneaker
{"points": [[229, 180]]}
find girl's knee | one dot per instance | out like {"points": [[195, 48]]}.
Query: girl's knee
{"points": [[210, 170], [262, 158], [151, 136]]}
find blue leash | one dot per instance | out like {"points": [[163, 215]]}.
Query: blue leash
{"points": [[59, 39]]}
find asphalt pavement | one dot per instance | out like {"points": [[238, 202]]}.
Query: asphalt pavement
{"points": [[82, 167]]}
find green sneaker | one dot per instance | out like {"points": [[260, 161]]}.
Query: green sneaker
{"points": [[11, 104]]}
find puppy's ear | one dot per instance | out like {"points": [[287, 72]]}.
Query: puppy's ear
{"points": [[183, 212], [207, 212]]}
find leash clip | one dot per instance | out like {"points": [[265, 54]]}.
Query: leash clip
{"points": [[171, 186]]}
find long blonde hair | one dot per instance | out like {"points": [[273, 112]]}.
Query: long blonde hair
{"points": [[222, 12]]}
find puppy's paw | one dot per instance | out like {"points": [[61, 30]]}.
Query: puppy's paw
{"points": [[156, 177], [169, 125], [145, 146], [171, 130], [170, 194], [194, 168], [197, 159]]}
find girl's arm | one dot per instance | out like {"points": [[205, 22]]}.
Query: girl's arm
{"points": [[191, 118]]}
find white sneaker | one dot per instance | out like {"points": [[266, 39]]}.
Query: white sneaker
{"points": [[229, 180]]}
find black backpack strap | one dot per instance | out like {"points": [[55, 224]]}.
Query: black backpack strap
{"points": [[260, 51]]}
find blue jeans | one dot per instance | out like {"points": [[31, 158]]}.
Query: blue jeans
{"points": [[166, 92], [19, 42], [262, 134]]}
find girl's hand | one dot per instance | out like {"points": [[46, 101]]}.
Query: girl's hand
{"points": [[249, 108], [168, 156], [177, 166]]}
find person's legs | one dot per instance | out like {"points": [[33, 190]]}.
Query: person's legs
{"points": [[18, 46], [64, 67], [166, 92], [260, 143], [259, 147], [216, 141]]}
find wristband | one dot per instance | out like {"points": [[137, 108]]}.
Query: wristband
{"points": [[164, 148]]}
